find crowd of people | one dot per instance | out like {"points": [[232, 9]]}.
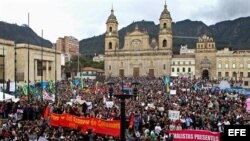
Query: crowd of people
{"points": [[200, 109]]}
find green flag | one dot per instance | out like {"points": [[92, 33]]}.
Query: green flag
{"points": [[71, 85], [81, 83], [50, 84], [24, 88]]}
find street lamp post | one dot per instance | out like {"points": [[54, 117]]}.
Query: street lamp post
{"points": [[122, 98]]}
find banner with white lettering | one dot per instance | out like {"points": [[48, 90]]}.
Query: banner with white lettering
{"points": [[173, 115], [195, 135]]}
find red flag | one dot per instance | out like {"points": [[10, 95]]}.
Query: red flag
{"points": [[131, 122], [46, 112]]}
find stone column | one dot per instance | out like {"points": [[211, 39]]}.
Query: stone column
{"points": [[47, 70], [35, 71]]}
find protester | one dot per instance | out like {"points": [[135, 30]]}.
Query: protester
{"points": [[200, 107]]}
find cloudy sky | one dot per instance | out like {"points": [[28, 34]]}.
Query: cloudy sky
{"points": [[86, 18]]}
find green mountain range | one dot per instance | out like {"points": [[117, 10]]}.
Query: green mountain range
{"points": [[234, 34], [22, 34]]}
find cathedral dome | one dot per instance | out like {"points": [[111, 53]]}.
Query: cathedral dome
{"points": [[112, 18], [165, 14]]}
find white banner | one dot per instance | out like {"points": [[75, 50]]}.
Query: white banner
{"points": [[109, 104], [173, 92], [12, 86], [173, 115]]}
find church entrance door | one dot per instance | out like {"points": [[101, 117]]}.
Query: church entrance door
{"points": [[121, 72], [136, 72], [151, 73], [205, 74]]}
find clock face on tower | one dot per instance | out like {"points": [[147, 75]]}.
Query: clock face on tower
{"points": [[136, 44]]}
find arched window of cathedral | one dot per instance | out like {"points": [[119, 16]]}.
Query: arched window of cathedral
{"points": [[110, 29], [164, 43], [110, 45], [164, 25]]}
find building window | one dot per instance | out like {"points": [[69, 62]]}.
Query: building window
{"points": [[110, 45], [248, 74], [189, 62], [219, 74], [173, 62], [164, 66], [241, 74], [241, 66], [110, 29], [226, 74], [109, 67], [226, 66], [172, 69], [179, 62], [246, 83], [189, 69], [151, 63], [178, 69], [219, 66], [164, 25], [234, 66], [234, 74], [248, 66], [39, 68], [121, 64], [164, 43], [183, 69]]}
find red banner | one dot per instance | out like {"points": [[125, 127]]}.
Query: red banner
{"points": [[195, 135], [107, 127]]}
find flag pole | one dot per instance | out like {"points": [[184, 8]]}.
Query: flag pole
{"points": [[28, 61], [55, 75], [15, 68], [42, 66], [3, 74]]}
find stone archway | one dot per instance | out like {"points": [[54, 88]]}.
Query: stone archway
{"points": [[205, 74]]}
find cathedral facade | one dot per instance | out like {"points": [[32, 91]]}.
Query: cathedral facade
{"points": [[142, 55]]}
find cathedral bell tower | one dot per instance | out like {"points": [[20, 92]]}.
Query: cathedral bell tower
{"points": [[111, 38], [165, 33]]}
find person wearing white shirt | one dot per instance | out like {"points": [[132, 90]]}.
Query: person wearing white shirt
{"points": [[157, 129]]}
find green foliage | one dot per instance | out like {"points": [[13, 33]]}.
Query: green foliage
{"points": [[84, 61]]}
